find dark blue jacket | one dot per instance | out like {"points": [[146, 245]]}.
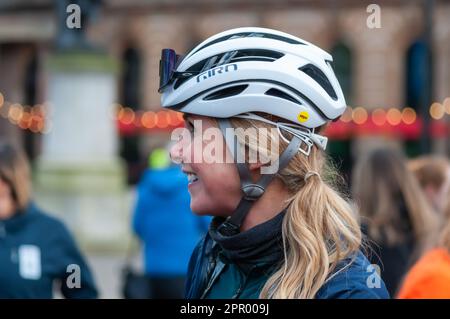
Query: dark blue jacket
{"points": [[212, 276], [36, 250], [163, 220]]}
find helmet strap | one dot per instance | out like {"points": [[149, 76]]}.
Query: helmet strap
{"points": [[252, 191]]}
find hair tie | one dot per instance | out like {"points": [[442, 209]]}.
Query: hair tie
{"points": [[309, 174]]}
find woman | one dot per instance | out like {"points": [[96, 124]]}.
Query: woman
{"points": [[279, 230], [430, 276], [36, 250], [433, 174], [397, 217]]}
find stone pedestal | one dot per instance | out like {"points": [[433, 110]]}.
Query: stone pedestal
{"points": [[79, 176]]}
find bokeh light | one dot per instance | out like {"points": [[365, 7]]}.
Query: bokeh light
{"points": [[447, 105], [126, 116], [394, 116], [162, 120], [148, 120], [437, 111], [379, 117], [409, 116], [359, 115], [347, 115]]}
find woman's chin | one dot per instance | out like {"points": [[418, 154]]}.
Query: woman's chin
{"points": [[195, 207]]}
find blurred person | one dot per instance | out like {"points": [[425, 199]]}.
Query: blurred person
{"points": [[433, 174], [36, 250], [164, 222], [275, 234], [395, 213], [429, 278]]}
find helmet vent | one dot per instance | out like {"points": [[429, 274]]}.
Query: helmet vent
{"points": [[237, 56], [256, 55], [317, 75], [282, 95], [180, 81], [227, 92], [251, 35], [229, 57]]}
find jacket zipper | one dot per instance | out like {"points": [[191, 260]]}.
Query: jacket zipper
{"points": [[241, 286], [217, 271]]}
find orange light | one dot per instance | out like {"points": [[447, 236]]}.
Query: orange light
{"points": [[394, 116], [148, 120], [15, 112], [162, 120], [41, 126], [379, 117], [36, 124], [359, 115], [174, 119], [347, 115], [447, 105], [126, 116], [41, 110], [180, 116], [437, 111], [115, 109], [137, 119], [408, 115], [25, 121]]}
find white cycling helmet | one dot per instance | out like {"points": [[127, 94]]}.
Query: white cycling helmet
{"points": [[253, 70], [244, 71]]}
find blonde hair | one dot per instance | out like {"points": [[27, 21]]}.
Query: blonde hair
{"points": [[319, 228], [15, 172], [381, 185]]}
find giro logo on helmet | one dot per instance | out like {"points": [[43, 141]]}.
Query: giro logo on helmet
{"points": [[218, 70]]}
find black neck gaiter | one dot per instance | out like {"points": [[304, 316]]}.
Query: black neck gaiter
{"points": [[261, 245]]}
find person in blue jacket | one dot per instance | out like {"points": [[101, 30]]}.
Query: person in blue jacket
{"points": [[165, 224], [37, 252], [255, 103]]}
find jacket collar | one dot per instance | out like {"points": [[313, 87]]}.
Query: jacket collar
{"points": [[17, 221], [259, 247]]}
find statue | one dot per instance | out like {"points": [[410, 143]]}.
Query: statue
{"points": [[75, 38]]}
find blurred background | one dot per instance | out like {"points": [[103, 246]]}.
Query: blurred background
{"points": [[83, 103]]}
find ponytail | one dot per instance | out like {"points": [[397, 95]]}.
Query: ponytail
{"points": [[319, 228]]}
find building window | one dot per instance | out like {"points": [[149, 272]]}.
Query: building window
{"points": [[417, 74], [342, 65], [417, 88]]}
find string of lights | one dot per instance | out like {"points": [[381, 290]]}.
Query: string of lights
{"points": [[354, 121]]}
